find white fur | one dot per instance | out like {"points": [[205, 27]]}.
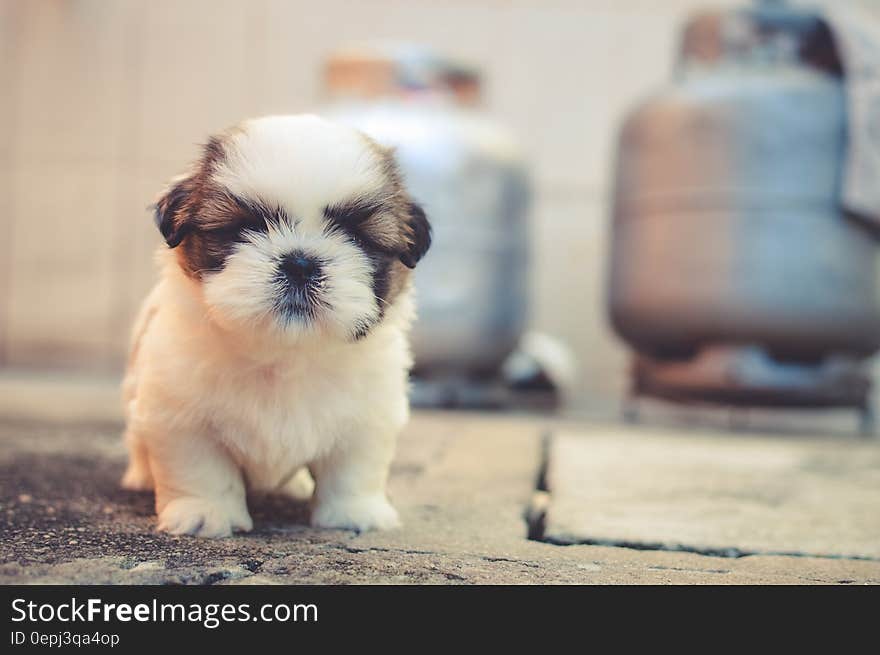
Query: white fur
{"points": [[221, 397], [300, 162], [243, 293]]}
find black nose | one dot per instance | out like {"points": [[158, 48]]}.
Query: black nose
{"points": [[299, 269]]}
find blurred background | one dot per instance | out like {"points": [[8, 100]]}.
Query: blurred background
{"points": [[104, 100]]}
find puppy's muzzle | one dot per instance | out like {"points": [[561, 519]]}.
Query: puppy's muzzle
{"points": [[302, 280], [300, 270]]}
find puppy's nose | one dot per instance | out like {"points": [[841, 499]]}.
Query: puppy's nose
{"points": [[299, 269]]}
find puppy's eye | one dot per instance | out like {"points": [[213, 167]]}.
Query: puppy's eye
{"points": [[224, 229], [368, 223], [352, 214], [254, 224], [237, 220]]}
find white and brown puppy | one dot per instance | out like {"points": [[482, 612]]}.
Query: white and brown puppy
{"points": [[276, 338]]}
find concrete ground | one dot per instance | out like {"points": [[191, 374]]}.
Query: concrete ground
{"points": [[471, 488]]}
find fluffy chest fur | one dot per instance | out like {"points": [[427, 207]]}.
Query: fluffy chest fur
{"points": [[274, 408]]}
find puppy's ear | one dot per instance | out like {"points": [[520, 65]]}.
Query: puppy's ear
{"points": [[420, 236], [171, 221]]}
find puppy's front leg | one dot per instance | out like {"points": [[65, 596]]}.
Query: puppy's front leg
{"points": [[350, 488], [137, 475], [199, 489]]}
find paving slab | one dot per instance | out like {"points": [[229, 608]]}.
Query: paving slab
{"points": [[714, 493], [462, 482]]}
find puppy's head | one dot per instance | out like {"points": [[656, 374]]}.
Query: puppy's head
{"points": [[295, 225]]}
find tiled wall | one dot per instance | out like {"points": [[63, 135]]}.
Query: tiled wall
{"points": [[103, 100]]}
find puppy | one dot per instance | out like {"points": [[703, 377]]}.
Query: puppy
{"points": [[276, 338]]}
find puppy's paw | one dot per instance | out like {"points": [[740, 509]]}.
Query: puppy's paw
{"points": [[300, 486], [137, 477], [205, 517], [360, 513]]}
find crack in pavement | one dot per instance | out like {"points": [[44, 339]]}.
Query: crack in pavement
{"points": [[728, 552], [535, 516], [405, 551]]}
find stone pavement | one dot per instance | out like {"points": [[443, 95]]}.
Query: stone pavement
{"points": [[464, 484], [714, 493]]}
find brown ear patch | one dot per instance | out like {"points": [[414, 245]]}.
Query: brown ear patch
{"points": [[389, 226], [413, 233], [419, 237], [387, 219], [168, 216], [176, 207], [200, 218]]}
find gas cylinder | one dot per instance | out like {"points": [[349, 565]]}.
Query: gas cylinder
{"points": [[735, 274]]}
